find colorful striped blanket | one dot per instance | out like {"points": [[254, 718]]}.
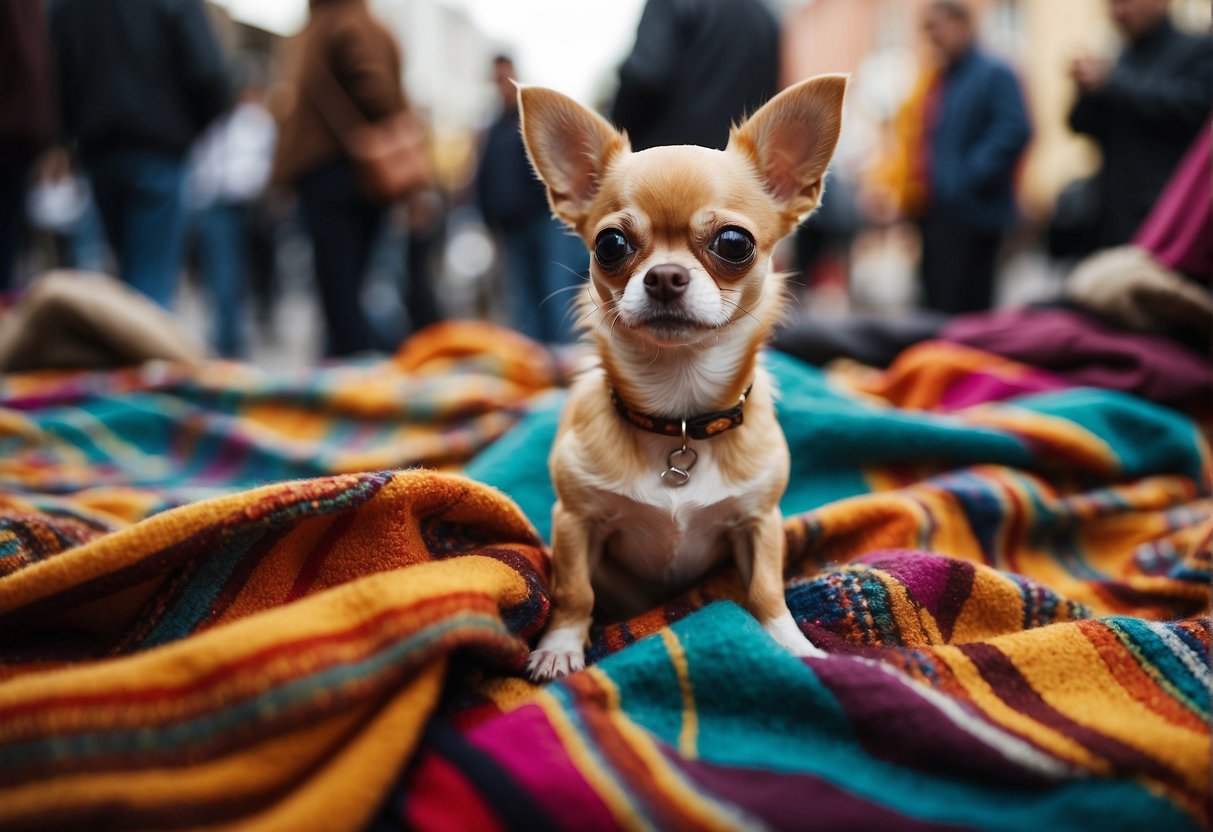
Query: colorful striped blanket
{"points": [[1010, 577]]}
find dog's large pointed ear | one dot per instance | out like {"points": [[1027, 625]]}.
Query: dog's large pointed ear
{"points": [[790, 141], [569, 146]]}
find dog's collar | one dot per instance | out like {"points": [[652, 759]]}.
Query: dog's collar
{"points": [[696, 427]]}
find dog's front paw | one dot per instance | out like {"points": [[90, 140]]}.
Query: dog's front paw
{"points": [[785, 632], [559, 653]]}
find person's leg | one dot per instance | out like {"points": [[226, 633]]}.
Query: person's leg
{"points": [[221, 255], [958, 264], [932, 266], [982, 250], [419, 299], [14, 178], [565, 266], [87, 246], [342, 226], [107, 180], [263, 261], [524, 251], [151, 239]]}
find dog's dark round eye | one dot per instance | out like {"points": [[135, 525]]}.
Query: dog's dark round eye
{"points": [[733, 245], [611, 248]]}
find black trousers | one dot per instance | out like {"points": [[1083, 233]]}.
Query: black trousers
{"points": [[343, 225], [14, 176], [957, 264]]}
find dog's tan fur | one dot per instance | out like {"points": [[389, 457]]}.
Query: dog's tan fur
{"points": [[620, 536]]}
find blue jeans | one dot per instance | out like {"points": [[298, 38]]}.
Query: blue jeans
{"points": [[222, 234], [140, 196], [541, 260]]}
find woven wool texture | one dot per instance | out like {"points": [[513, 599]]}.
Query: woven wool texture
{"points": [[213, 616]]}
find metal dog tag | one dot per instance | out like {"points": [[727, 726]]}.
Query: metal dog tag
{"points": [[680, 462]]}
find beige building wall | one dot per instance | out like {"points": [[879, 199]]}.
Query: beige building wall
{"points": [[1055, 32]]}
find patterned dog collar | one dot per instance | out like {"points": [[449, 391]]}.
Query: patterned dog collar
{"points": [[697, 427]]}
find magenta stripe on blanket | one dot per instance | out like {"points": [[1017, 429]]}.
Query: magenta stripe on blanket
{"points": [[1087, 353], [940, 585], [980, 387], [782, 800], [893, 722], [525, 744]]}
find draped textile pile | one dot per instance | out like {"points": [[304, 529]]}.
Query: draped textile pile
{"points": [[1010, 576]]}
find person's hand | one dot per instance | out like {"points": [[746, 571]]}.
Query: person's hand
{"points": [[878, 203], [53, 165], [1089, 73]]}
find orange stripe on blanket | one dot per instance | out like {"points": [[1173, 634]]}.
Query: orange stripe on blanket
{"points": [[922, 375], [132, 545], [1068, 672], [982, 696], [190, 676], [1130, 676], [346, 762], [1058, 439]]}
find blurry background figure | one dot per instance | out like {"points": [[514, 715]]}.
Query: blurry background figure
{"points": [[62, 213], [27, 105], [962, 133], [1143, 111], [697, 67], [229, 171], [542, 259], [138, 82], [349, 67], [426, 227], [822, 245]]}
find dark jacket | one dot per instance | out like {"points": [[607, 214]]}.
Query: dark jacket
{"points": [[27, 96], [509, 192], [349, 72], [980, 132], [136, 74], [1158, 96], [697, 66]]}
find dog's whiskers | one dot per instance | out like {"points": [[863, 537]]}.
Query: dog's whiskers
{"points": [[740, 308]]}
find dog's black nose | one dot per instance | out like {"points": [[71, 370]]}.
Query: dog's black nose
{"points": [[667, 282]]}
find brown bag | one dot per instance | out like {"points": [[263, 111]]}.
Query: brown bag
{"points": [[391, 156]]}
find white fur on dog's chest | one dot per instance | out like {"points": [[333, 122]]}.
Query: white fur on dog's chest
{"points": [[671, 535]]}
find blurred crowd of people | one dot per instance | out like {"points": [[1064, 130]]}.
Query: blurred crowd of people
{"points": [[131, 139]]}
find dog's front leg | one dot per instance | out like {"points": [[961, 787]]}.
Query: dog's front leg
{"points": [[759, 548], [575, 548]]}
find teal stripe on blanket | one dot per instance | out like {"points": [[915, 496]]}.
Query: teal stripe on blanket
{"points": [[833, 436], [1162, 659], [1147, 438], [758, 707]]}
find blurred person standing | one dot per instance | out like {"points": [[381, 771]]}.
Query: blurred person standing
{"points": [[349, 73], [229, 171], [26, 116], [426, 227], [1143, 111], [541, 259], [138, 80], [697, 67], [962, 133]]}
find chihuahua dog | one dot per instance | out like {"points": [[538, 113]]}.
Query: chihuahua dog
{"points": [[669, 458]]}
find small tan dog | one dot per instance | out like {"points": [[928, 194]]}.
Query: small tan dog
{"points": [[669, 458]]}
